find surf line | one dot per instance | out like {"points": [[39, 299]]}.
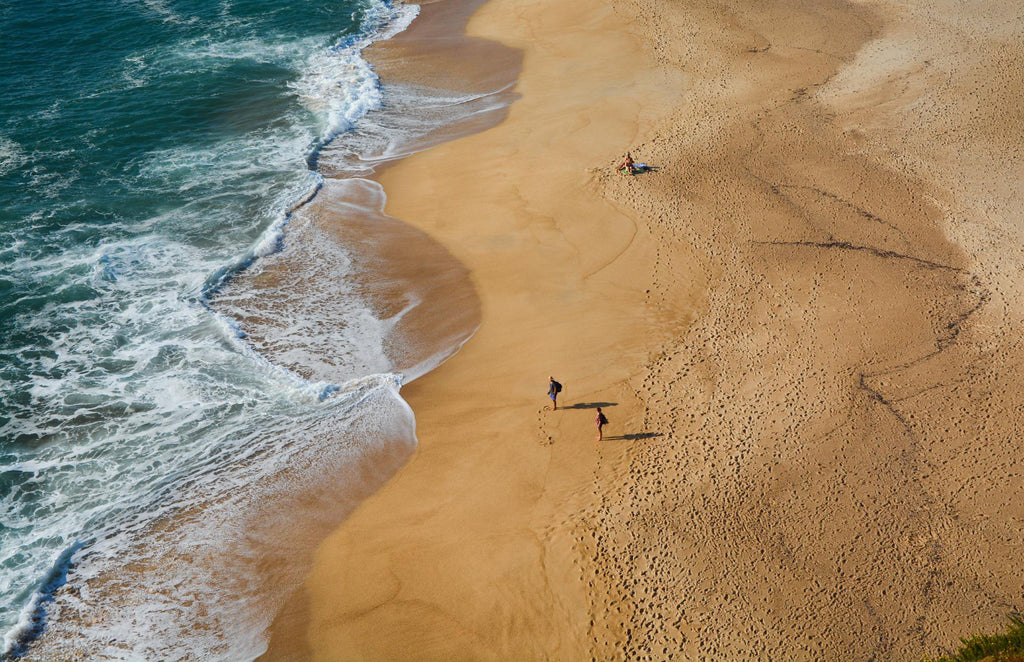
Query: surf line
{"points": [[272, 240], [32, 621]]}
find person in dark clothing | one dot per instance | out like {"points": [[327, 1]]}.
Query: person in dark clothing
{"points": [[554, 388]]}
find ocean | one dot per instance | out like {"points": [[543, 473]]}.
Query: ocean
{"points": [[177, 422]]}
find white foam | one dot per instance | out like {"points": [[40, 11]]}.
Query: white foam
{"points": [[337, 81], [192, 419], [31, 617], [315, 319], [404, 124], [209, 52], [272, 238], [168, 15], [255, 489], [12, 156], [134, 71], [209, 417], [24, 626]]}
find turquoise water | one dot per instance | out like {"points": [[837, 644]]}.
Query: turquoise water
{"points": [[149, 151]]}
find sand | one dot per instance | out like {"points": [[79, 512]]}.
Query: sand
{"points": [[803, 327]]}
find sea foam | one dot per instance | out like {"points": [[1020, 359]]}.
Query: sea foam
{"points": [[146, 411], [159, 486]]}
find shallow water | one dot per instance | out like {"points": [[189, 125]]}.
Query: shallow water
{"points": [[165, 406]]}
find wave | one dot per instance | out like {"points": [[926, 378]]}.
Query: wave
{"points": [[200, 460], [174, 578], [32, 619], [136, 387], [12, 156]]}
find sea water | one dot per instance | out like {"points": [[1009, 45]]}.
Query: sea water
{"points": [[152, 459]]}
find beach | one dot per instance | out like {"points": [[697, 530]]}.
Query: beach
{"points": [[801, 325]]}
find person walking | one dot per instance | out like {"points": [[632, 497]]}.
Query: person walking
{"points": [[554, 388], [600, 422]]}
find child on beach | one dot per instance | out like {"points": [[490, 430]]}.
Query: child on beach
{"points": [[600, 421]]}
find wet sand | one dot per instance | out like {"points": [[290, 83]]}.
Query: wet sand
{"points": [[803, 327]]}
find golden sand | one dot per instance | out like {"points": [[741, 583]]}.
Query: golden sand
{"points": [[803, 326]]}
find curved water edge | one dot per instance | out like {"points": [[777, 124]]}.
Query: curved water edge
{"points": [[32, 620], [281, 444], [110, 528], [343, 111], [203, 579]]}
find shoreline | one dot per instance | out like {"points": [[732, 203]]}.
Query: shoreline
{"points": [[776, 322], [490, 522], [612, 120], [396, 260]]}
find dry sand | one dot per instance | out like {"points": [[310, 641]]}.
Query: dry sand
{"points": [[804, 328]]}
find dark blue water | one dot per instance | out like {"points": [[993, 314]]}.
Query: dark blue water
{"points": [[148, 150]]}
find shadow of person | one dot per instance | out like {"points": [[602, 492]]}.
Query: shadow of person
{"points": [[590, 405], [635, 436]]}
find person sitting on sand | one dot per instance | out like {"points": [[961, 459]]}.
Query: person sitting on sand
{"points": [[628, 166], [631, 167]]}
